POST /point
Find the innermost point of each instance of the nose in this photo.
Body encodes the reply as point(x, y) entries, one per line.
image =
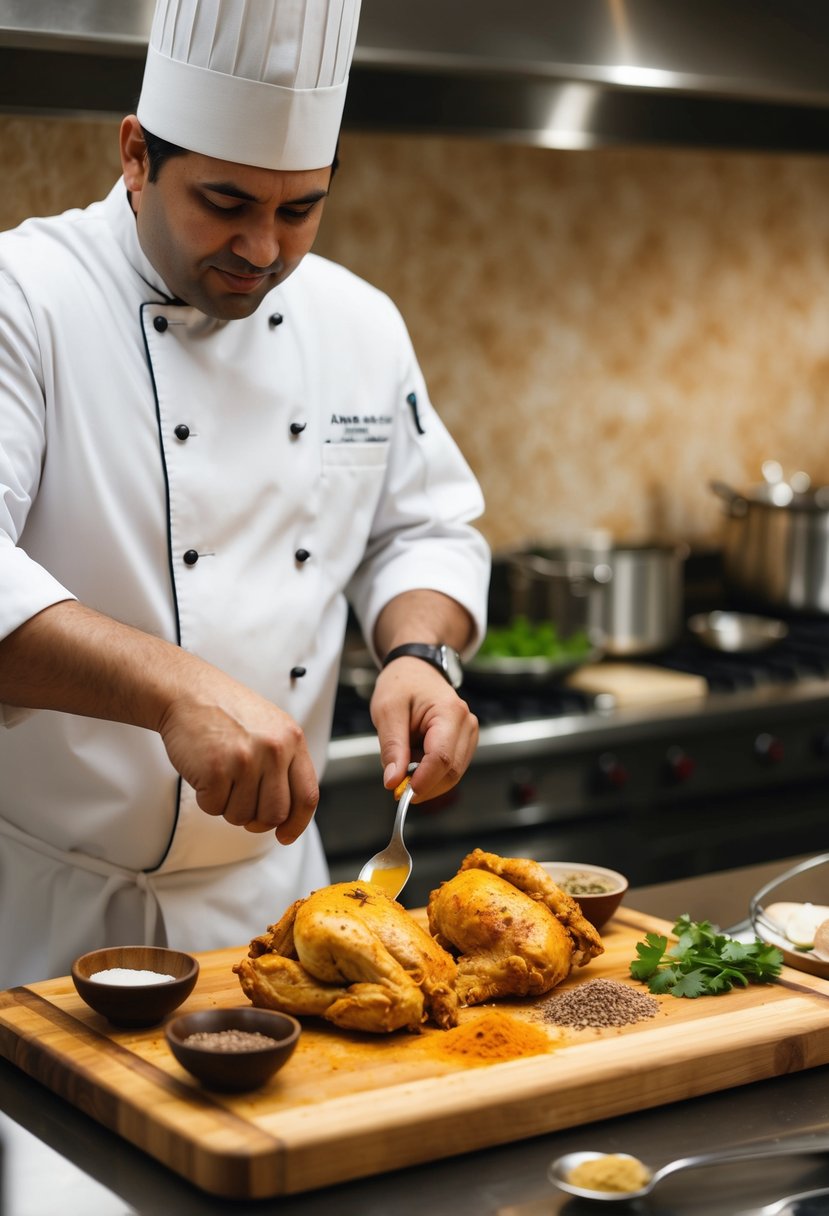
point(257, 243)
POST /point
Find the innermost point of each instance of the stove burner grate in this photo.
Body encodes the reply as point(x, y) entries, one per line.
point(802, 655)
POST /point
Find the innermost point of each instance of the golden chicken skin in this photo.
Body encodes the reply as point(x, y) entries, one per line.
point(354, 956)
point(514, 931)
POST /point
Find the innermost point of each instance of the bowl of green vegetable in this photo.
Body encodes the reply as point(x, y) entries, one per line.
point(532, 651)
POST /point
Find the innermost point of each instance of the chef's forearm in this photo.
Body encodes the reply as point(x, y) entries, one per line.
point(422, 616)
point(245, 758)
point(71, 658)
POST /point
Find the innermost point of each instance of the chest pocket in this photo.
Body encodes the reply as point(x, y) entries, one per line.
point(372, 455)
point(353, 476)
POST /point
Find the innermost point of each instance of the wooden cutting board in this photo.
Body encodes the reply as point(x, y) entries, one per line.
point(638, 684)
point(350, 1105)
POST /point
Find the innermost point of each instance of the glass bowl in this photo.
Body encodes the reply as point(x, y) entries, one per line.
point(786, 912)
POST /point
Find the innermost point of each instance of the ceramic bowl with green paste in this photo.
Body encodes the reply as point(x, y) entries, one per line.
point(597, 890)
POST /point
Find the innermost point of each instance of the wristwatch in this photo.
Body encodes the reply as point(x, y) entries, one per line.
point(444, 658)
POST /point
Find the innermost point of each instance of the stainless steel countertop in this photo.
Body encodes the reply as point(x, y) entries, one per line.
point(58, 1160)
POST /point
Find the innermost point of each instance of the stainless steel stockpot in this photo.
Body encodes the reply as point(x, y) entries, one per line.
point(628, 598)
point(776, 546)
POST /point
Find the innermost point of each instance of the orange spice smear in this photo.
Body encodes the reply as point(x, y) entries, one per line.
point(492, 1036)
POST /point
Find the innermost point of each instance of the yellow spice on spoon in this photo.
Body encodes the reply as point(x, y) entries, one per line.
point(610, 1173)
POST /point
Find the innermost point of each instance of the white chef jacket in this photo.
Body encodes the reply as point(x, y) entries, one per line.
point(226, 486)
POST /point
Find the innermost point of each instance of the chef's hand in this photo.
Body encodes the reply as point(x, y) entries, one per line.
point(245, 758)
point(418, 716)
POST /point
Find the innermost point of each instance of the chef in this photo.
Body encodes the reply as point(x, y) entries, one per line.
point(212, 441)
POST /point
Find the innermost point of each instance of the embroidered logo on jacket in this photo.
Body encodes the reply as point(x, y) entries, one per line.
point(359, 428)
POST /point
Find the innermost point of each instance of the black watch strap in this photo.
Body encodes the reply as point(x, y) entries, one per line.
point(444, 658)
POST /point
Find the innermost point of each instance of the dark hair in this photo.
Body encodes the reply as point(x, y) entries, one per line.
point(159, 150)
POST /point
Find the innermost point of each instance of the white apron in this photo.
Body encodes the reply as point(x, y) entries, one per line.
point(220, 485)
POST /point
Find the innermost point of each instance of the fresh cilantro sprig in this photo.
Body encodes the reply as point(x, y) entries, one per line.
point(703, 961)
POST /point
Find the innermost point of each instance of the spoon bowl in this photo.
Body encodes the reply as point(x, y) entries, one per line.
point(560, 1170)
point(391, 867)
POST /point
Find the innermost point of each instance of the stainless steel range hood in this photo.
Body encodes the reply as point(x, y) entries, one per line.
point(750, 74)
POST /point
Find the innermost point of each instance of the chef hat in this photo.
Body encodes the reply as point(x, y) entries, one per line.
point(257, 82)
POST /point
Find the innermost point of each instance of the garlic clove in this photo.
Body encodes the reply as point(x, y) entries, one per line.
point(821, 946)
point(802, 924)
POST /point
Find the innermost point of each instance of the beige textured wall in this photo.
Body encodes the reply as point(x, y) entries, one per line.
point(602, 331)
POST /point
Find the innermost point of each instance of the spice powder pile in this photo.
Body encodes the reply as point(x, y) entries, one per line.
point(493, 1036)
point(230, 1040)
point(615, 1172)
point(599, 1003)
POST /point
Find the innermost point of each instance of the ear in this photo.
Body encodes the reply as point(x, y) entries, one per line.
point(133, 154)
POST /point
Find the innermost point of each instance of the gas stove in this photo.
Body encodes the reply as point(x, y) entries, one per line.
point(661, 791)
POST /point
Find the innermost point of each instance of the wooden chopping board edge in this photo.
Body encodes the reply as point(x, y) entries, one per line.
point(257, 1148)
point(220, 1152)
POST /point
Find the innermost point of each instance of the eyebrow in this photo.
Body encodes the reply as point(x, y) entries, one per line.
point(233, 191)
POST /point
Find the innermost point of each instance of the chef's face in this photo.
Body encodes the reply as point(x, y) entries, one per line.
point(220, 234)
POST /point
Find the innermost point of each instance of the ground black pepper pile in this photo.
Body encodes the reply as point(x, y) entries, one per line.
point(229, 1040)
point(599, 1003)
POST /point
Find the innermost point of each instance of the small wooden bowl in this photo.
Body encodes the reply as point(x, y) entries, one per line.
point(135, 1004)
point(597, 907)
point(236, 1070)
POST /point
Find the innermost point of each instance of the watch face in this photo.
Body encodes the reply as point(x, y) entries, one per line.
point(452, 666)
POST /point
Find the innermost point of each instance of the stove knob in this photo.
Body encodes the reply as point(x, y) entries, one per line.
point(611, 774)
point(523, 791)
point(679, 766)
point(768, 748)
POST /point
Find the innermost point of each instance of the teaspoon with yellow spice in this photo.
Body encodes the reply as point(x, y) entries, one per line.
point(619, 1176)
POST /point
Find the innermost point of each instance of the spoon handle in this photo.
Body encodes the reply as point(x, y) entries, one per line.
point(807, 1203)
point(402, 807)
point(782, 1148)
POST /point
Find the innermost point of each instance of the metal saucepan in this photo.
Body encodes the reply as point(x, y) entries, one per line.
point(627, 598)
point(776, 545)
point(736, 632)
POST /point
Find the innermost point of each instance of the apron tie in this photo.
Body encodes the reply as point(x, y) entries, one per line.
point(118, 877)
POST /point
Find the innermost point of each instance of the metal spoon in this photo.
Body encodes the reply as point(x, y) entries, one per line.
point(807, 1203)
point(560, 1169)
point(391, 867)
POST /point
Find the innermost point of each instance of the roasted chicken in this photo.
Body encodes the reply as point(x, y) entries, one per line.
point(514, 931)
point(351, 954)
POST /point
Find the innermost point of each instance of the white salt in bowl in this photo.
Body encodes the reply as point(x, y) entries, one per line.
point(131, 996)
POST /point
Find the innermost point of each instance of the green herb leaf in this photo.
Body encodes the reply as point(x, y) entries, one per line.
point(651, 953)
point(702, 961)
point(691, 983)
point(664, 980)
